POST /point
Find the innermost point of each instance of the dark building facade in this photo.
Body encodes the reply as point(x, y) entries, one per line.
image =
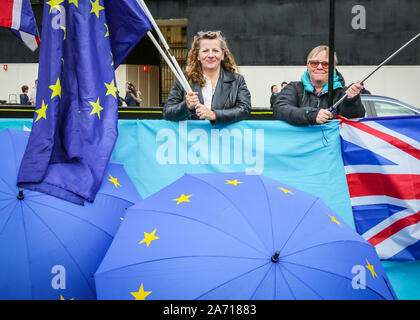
point(279, 32)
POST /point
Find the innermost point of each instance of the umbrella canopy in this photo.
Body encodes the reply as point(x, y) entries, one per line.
point(237, 236)
point(50, 248)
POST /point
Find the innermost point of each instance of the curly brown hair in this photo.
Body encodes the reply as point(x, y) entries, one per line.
point(194, 69)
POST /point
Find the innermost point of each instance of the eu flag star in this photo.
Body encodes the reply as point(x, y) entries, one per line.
point(107, 31)
point(141, 294)
point(149, 237)
point(56, 88)
point(55, 4)
point(111, 89)
point(234, 182)
point(114, 181)
point(62, 298)
point(96, 108)
point(64, 29)
point(75, 2)
point(183, 198)
point(42, 111)
point(96, 8)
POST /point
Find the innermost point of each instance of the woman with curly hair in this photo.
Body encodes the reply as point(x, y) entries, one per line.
point(219, 93)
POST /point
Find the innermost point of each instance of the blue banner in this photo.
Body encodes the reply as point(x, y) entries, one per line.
point(156, 152)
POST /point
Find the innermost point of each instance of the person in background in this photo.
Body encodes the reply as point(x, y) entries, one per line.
point(120, 101)
point(219, 93)
point(283, 84)
point(305, 102)
point(274, 93)
point(131, 97)
point(33, 92)
point(24, 99)
point(365, 91)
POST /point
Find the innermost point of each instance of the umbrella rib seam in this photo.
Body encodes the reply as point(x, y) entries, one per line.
point(27, 249)
point(270, 211)
point(237, 209)
point(68, 213)
point(226, 282)
point(9, 217)
point(297, 226)
point(262, 280)
point(287, 283)
point(65, 248)
point(173, 258)
point(11, 189)
point(206, 224)
point(296, 277)
point(324, 244)
point(335, 274)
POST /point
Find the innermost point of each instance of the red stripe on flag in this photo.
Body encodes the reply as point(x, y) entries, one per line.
point(402, 186)
point(404, 146)
point(394, 228)
point(6, 13)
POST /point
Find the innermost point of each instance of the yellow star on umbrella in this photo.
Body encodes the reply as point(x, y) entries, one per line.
point(114, 181)
point(285, 190)
point(62, 298)
point(96, 8)
point(96, 108)
point(55, 4)
point(75, 2)
point(42, 111)
point(149, 237)
point(111, 89)
point(371, 269)
point(56, 88)
point(183, 198)
point(333, 219)
point(234, 182)
point(141, 294)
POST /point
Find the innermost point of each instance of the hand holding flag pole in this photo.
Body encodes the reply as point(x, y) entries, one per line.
point(174, 66)
point(334, 107)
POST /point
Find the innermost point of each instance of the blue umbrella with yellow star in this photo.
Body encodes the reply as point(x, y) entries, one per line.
point(50, 248)
point(236, 236)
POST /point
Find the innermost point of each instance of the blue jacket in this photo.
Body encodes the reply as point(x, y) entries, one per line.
point(24, 99)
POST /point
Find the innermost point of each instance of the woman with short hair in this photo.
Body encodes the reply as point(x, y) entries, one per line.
point(305, 102)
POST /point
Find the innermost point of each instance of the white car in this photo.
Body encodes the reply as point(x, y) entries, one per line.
point(379, 106)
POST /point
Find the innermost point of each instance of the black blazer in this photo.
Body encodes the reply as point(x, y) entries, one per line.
point(231, 100)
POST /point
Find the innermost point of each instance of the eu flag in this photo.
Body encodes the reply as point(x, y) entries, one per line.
point(76, 115)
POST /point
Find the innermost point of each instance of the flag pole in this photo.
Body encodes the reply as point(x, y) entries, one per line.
point(331, 47)
point(184, 81)
point(171, 66)
point(374, 70)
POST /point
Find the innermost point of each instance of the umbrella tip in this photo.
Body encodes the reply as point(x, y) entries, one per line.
point(275, 257)
point(20, 195)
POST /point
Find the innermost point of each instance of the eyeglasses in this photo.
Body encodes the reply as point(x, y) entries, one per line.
point(315, 63)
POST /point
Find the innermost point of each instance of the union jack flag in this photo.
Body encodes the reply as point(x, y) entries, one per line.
point(17, 15)
point(382, 163)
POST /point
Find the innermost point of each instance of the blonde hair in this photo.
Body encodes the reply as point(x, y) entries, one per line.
point(319, 49)
point(194, 69)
